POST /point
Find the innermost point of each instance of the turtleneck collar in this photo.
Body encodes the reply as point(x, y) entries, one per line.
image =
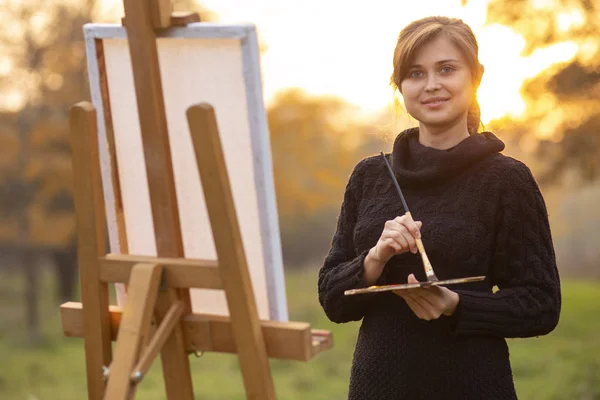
point(415, 164)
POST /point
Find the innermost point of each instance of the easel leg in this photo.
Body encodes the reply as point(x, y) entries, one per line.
point(174, 358)
point(89, 213)
point(141, 36)
point(134, 329)
point(230, 253)
point(158, 341)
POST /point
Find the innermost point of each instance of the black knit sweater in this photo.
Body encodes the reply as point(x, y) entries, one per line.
point(482, 214)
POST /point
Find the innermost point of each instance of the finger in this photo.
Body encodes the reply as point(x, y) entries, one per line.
point(403, 225)
point(418, 309)
point(411, 225)
point(389, 241)
point(435, 305)
point(429, 300)
point(412, 243)
point(394, 245)
point(414, 228)
point(388, 224)
point(400, 239)
point(393, 234)
point(402, 235)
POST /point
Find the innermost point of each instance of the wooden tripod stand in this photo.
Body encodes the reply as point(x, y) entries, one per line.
point(158, 286)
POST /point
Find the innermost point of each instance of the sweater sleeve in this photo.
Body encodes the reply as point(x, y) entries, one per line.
point(343, 268)
point(528, 301)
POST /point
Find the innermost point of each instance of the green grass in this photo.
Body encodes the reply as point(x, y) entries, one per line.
point(562, 365)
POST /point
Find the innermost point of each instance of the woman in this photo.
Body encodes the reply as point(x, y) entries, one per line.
point(479, 212)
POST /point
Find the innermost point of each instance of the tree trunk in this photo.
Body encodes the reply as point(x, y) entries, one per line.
point(66, 273)
point(31, 271)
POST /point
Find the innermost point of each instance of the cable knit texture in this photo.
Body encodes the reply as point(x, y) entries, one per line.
point(482, 214)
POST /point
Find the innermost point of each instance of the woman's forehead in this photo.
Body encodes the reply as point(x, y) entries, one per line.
point(437, 50)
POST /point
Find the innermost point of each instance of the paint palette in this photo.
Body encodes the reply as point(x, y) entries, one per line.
point(404, 286)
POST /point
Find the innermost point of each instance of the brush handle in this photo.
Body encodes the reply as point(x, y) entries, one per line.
point(426, 263)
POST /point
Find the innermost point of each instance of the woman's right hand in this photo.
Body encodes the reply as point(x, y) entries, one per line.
point(399, 236)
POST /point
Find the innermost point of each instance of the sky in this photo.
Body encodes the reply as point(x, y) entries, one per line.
point(345, 47)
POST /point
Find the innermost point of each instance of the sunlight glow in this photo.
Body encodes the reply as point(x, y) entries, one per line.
point(13, 101)
point(568, 20)
point(6, 66)
point(505, 70)
point(541, 4)
point(587, 50)
point(54, 81)
point(345, 49)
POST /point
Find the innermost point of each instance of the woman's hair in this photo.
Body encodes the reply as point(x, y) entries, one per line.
point(420, 32)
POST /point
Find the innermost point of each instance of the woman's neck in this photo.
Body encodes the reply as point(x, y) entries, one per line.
point(445, 137)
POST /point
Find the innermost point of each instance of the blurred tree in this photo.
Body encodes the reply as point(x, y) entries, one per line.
point(43, 74)
point(315, 141)
point(563, 103)
point(312, 150)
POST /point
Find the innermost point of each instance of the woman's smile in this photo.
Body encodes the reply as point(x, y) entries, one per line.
point(435, 103)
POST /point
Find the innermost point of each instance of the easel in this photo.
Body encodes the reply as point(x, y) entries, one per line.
point(158, 286)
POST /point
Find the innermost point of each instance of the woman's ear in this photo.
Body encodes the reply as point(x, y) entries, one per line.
point(479, 74)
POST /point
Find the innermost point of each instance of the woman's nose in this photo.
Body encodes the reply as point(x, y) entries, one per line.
point(432, 83)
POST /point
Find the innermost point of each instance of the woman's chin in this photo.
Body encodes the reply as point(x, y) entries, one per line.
point(437, 123)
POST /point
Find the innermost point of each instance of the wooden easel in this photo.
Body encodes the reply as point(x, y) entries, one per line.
point(158, 287)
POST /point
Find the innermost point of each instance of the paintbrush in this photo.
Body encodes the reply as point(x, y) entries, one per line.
point(426, 264)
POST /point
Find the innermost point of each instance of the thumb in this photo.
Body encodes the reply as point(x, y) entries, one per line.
point(412, 279)
point(419, 224)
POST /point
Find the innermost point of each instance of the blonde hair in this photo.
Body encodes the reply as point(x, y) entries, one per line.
point(420, 32)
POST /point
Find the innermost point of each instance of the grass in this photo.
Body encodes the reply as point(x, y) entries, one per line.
point(562, 365)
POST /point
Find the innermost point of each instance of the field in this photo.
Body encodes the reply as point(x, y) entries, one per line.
point(562, 365)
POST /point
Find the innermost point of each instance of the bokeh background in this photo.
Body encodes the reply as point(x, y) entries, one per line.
point(326, 68)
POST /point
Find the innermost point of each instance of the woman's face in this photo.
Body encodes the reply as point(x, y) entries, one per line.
point(438, 89)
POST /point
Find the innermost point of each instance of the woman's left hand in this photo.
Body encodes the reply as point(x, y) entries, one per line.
point(431, 302)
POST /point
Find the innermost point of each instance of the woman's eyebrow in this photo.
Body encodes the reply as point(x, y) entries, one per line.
point(437, 62)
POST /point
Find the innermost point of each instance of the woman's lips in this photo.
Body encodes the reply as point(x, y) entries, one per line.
point(434, 103)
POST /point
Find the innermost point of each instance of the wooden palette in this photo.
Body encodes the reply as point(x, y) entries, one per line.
point(404, 286)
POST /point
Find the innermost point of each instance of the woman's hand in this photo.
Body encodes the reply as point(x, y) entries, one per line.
point(431, 302)
point(398, 236)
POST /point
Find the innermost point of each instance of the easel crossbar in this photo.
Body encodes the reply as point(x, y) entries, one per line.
point(180, 273)
point(213, 333)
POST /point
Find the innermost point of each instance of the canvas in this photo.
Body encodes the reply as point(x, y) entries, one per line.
point(202, 62)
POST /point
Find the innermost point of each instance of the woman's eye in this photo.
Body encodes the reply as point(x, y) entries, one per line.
point(447, 70)
point(416, 74)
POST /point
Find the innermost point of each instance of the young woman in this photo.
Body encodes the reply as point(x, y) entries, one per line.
point(479, 213)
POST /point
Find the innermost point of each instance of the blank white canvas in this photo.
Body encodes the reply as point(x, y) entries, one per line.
point(220, 68)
